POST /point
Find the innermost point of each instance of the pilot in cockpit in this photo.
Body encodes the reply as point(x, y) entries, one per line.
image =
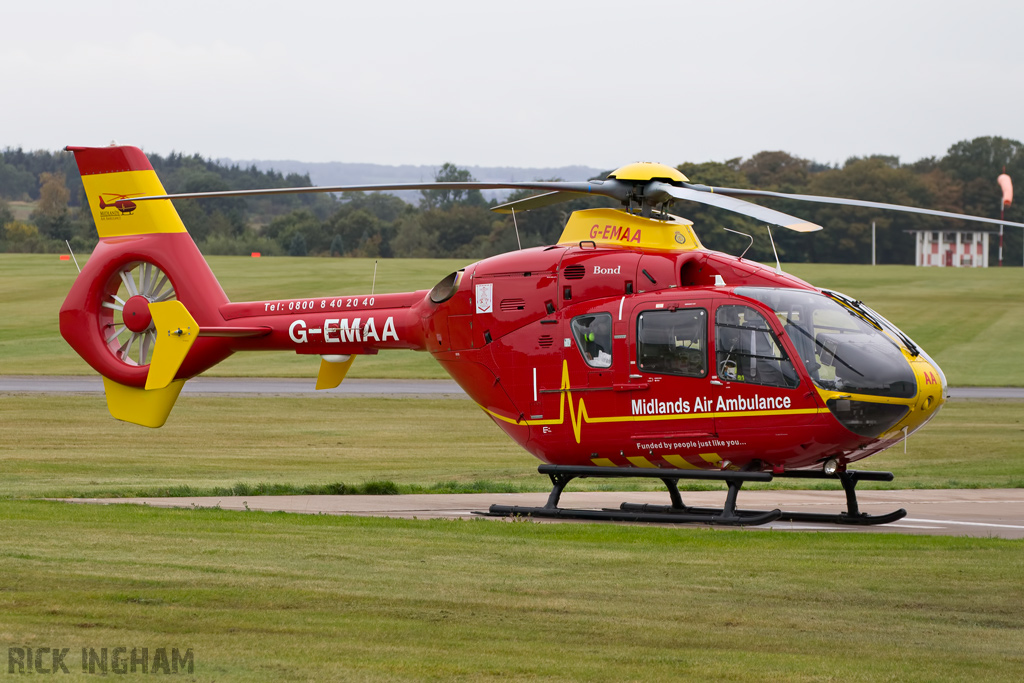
point(597, 337)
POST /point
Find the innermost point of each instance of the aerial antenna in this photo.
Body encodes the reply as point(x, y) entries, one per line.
point(516, 223)
point(374, 283)
point(778, 266)
point(73, 256)
point(745, 235)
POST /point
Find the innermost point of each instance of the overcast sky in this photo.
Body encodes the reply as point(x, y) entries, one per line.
point(521, 83)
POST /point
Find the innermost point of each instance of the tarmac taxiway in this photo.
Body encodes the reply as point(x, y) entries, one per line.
point(947, 512)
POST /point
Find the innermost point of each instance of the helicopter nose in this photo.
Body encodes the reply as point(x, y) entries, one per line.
point(931, 394)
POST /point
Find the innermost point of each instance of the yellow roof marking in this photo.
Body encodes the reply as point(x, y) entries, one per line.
point(616, 228)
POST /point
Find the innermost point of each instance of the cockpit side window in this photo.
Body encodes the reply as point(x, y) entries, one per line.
point(593, 335)
point(673, 342)
point(748, 351)
point(845, 347)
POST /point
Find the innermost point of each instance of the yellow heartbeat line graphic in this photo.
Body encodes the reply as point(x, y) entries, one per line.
point(578, 416)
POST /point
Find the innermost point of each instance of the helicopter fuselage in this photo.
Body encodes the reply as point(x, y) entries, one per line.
point(629, 344)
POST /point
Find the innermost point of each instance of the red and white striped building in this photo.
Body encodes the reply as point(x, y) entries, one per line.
point(960, 249)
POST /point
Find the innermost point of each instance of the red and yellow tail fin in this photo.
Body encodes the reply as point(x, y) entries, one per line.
point(112, 176)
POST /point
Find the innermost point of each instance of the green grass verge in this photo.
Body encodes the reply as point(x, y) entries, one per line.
point(970, 320)
point(261, 597)
point(33, 287)
point(66, 445)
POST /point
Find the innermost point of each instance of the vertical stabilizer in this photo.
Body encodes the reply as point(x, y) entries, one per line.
point(112, 176)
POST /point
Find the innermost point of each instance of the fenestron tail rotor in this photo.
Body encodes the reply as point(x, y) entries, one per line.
point(125, 319)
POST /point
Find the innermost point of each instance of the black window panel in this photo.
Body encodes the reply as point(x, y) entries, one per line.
point(673, 342)
point(593, 335)
point(746, 349)
point(843, 348)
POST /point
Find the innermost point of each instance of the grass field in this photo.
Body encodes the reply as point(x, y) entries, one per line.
point(69, 445)
point(267, 597)
point(33, 287)
point(275, 596)
point(970, 320)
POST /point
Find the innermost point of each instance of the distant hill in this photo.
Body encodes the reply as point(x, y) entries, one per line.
point(341, 173)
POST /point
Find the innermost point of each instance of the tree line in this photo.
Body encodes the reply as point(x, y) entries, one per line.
point(459, 224)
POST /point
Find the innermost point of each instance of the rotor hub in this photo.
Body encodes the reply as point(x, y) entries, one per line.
point(645, 171)
point(137, 317)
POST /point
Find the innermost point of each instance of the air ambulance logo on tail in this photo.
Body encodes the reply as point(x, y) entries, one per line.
point(120, 202)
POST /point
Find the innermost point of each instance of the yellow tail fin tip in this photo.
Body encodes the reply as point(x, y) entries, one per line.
point(148, 408)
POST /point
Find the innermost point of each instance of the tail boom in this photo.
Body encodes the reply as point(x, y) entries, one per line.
point(334, 325)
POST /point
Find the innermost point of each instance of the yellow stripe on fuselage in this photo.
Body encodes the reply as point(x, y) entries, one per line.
point(579, 415)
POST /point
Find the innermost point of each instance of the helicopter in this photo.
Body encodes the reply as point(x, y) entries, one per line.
point(626, 349)
point(121, 202)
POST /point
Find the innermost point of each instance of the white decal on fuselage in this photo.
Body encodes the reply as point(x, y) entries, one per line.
point(738, 404)
point(485, 298)
point(337, 330)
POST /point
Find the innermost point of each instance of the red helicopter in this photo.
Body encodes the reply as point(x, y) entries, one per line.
point(121, 202)
point(626, 349)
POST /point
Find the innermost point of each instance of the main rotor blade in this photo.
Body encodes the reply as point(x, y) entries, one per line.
point(607, 188)
point(535, 202)
point(761, 213)
point(850, 202)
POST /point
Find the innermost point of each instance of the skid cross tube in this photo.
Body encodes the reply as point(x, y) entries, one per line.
point(678, 512)
point(851, 516)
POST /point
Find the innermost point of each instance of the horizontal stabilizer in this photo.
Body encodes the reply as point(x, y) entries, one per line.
point(236, 332)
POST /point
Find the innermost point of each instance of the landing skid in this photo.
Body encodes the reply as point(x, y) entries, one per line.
point(678, 513)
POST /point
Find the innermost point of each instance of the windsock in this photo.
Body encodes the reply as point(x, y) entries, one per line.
point(1007, 185)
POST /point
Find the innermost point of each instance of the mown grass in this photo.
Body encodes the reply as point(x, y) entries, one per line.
point(262, 597)
point(274, 596)
point(33, 287)
point(970, 320)
point(63, 445)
